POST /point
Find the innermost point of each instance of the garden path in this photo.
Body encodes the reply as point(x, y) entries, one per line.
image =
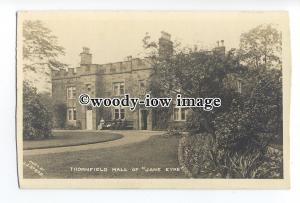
point(130, 137)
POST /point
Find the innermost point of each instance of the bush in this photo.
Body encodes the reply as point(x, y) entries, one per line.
point(37, 118)
point(235, 130)
point(71, 127)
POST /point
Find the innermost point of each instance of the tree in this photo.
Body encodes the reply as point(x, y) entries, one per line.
point(261, 47)
point(40, 54)
point(227, 141)
point(198, 75)
point(37, 119)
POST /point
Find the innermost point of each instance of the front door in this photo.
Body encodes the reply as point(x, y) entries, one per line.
point(144, 116)
point(89, 119)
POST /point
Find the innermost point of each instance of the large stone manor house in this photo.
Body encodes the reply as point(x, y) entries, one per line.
point(110, 80)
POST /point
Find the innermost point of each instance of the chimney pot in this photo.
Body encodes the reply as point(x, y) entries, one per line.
point(222, 42)
point(86, 50)
point(165, 44)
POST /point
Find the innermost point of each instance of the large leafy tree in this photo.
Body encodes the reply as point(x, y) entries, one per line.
point(41, 54)
point(261, 47)
point(197, 75)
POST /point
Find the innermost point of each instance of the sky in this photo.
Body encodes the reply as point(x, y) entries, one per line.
point(112, 36)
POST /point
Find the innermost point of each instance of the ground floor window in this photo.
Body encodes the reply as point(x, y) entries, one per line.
point(179, 114)
point(72, 114)
point(119, 113)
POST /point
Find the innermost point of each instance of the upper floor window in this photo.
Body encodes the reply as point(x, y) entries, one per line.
point(71, 92)
point(118, 88)
point(180, 114)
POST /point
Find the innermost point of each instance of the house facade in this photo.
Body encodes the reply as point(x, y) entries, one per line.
point(109, 80)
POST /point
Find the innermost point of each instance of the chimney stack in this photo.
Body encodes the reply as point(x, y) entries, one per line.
point(86, 57)
point(129, 58)
point(219, 50)
point(165, 49)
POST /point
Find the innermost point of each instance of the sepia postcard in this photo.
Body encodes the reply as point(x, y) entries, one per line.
point(164, 99)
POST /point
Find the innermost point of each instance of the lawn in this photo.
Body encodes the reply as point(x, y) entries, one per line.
point(147, 156)
point(72, 138)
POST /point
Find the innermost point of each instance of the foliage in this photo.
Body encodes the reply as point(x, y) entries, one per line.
point(206, 160)
point(197, 75)
point(231, 141)
point(60, 114)
point(239, 145)
point(41, 54)
point(39, 43)
point(261, 47)
point(265, 102)
point(71, 127)
point(37, 119)
point(174, 132)
point(257, 113)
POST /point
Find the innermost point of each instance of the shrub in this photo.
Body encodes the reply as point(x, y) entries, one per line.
point(174, 132)
point(71, 127)
point(234, 130)
point(37, 118)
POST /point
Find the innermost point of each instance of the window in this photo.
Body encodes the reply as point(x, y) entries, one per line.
point(72, 114)
point(118, 88)
point(239, 86)
point(183, 114)
point(119, 113)
point(122, 113)
point(176, 114)
point(180, 114)
point(71, 92)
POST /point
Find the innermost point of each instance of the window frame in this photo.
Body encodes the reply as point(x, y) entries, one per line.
point(72, 115)
point(177, 113)
point(118, 85)
point(71, 92)
point(119, 111)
